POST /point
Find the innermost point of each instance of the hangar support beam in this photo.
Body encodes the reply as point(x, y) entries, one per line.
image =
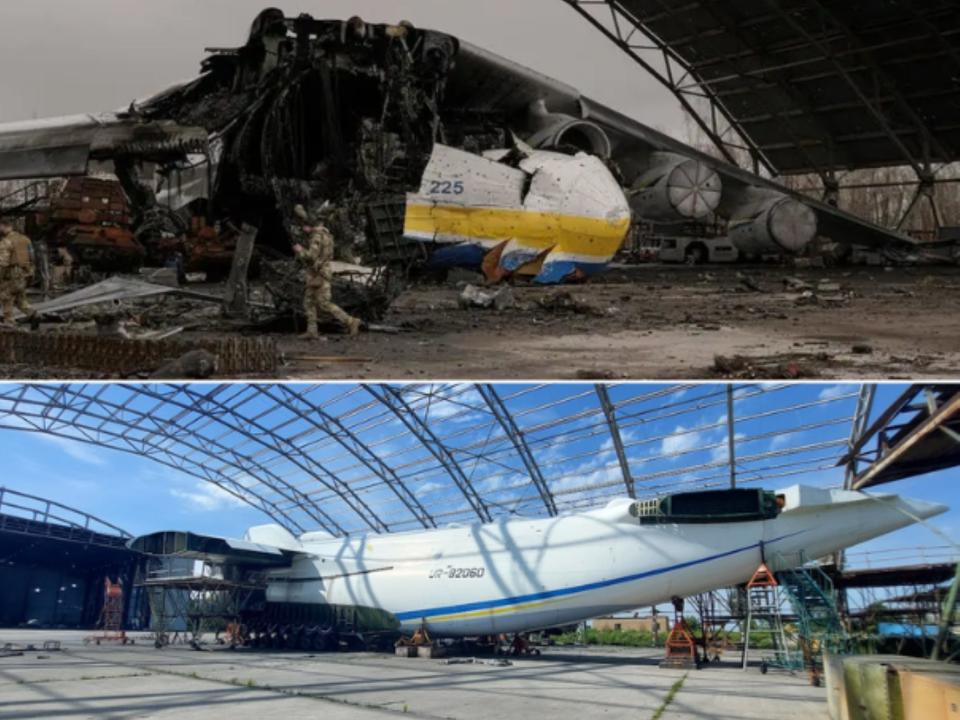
point(610, 412)
point(56, 520)
point(505, 419)
point(917, 434)
point(623, 30)
point(393, 399)
point(97, 420)
point(259, 433)
point(808, 86)
point(349, 441)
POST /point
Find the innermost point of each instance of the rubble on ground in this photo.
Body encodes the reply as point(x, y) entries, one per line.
point(765, 368)
point(564, 301)
point(500, 298)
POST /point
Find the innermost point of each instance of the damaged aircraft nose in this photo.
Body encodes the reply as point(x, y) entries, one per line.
point(552, 217)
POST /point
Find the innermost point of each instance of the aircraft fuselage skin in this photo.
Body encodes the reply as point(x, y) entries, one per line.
point(519, 575)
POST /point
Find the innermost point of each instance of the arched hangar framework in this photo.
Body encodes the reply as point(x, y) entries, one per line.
point(806, 86)
point(384, 458)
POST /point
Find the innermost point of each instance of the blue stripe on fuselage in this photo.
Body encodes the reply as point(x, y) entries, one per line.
point(501, 602)
point(558, 271)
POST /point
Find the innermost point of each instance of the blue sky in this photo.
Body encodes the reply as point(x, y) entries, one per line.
point(671, 436)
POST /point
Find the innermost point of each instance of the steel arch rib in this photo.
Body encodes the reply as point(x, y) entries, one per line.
point(397, 404)
point(6, 493)
point(350, 442)
point(343, 491)
point(618, 11)
point(609, 412)
point(95, 435)
point(509, 426)
point(293, 495)
point(882, 119)
point(227, 455)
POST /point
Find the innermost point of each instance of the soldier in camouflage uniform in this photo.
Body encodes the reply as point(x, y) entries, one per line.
point(316, 257)
point(16, 271)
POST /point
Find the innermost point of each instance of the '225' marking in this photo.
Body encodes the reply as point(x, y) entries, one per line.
point(446, 187)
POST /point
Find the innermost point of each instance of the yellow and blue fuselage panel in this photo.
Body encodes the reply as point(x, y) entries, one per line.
point(570, 246)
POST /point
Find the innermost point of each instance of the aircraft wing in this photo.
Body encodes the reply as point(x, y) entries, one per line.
point(61, 147)
point(214, 549)
point(485, 81)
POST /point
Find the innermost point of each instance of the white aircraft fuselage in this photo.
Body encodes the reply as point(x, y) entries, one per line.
point(517, 575)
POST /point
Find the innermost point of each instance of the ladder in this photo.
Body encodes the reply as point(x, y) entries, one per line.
point(764, 618)
point(110, 623)
point(813, 598)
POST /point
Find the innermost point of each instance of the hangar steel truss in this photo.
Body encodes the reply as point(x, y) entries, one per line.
point(805, 86)
point(386, 458)
point(25, 514)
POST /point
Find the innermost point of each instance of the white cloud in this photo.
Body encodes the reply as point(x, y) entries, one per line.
point(832, 392)
point(721, 453)
point(206, 497)
point(680, 441)
point(74, 448)
point(783, 440)
point(427, 487)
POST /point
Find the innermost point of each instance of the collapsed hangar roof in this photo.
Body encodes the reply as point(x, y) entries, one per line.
point(812, 85)
point(388, 458)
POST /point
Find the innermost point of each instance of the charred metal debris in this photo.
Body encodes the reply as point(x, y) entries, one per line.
point(340, 116)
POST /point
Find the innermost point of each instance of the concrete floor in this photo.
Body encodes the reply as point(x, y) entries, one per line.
point(141, 682)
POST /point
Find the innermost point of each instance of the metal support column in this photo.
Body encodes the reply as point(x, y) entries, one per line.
point(730, 438)
point(609, 412)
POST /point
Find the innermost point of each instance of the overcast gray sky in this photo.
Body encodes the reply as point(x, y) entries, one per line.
point(61, 57)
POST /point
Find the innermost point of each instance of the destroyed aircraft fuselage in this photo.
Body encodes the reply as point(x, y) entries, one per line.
point(353, 120)
point(320, 112)
point(347, 117)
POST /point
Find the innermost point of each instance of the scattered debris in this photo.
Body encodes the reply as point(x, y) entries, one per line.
point(119, 356)
point(194, 365)
point(563, 301)
point(459, 277)
point(16, 649)
point(384, 329)
point(749, 283)
point(166, 276)
point(773, 368)
point(111, 291)
point(795, 284)
point(595, 374)
point(330, 359)
point(112, 325)
point(474, 297)
point(493, 662)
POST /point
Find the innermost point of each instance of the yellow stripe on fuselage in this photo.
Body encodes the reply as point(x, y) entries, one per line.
point(592, 237)
point(492, 611)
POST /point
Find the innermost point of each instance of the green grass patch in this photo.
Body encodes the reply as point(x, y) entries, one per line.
point(674, 689)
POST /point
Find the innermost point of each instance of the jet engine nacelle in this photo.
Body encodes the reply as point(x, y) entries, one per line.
point(676, 187)
point(551, 131)
point(779, 225)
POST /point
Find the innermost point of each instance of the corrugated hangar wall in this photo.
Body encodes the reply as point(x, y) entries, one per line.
point(51, 582)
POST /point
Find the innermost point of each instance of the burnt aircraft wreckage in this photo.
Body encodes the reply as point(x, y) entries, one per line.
point(417, 149)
